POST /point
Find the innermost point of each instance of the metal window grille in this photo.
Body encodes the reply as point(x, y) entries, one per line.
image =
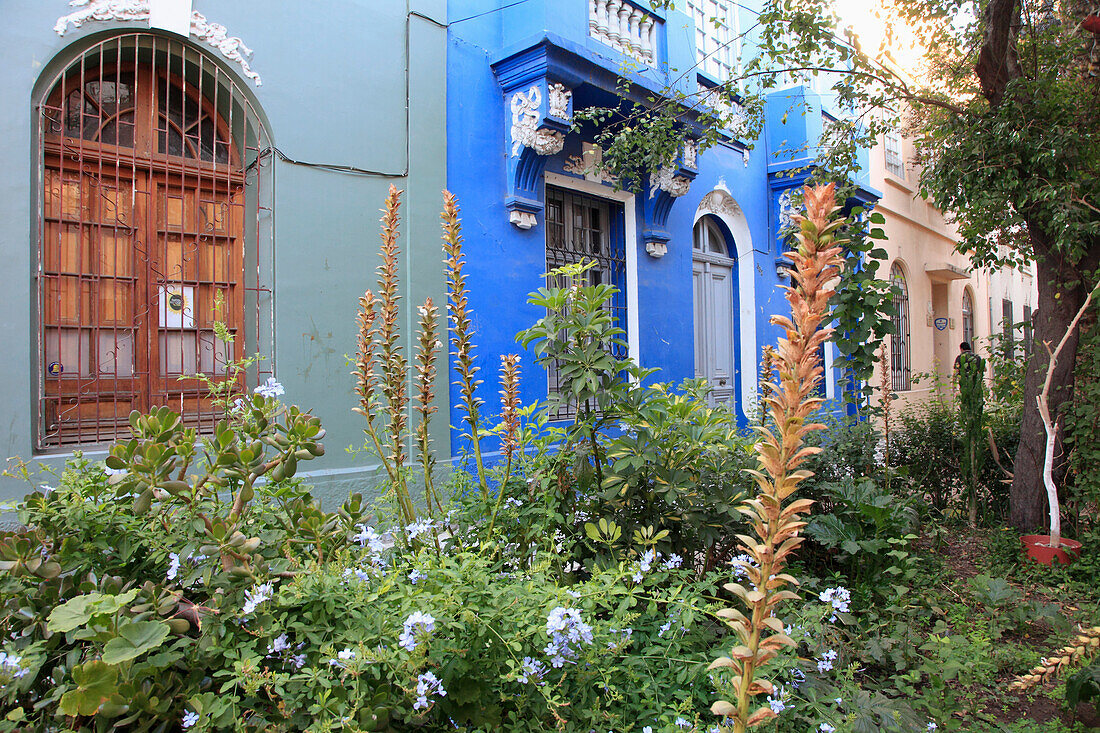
point(582, 228)
point(968, 318)
point(894, 162)
point(899, 340)
point(1027, 330)
point(154, 224)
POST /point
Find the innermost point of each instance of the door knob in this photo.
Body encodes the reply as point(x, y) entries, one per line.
point(721, 383)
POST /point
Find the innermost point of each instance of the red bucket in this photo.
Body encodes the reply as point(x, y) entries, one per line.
point(1039, 549)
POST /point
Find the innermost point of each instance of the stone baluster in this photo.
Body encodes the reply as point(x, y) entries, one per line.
point(651, 42)
point(624, 28)
point(647, 51)
point(634, 38)
point(613, 37)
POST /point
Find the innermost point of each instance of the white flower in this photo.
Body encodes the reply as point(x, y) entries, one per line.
point(367, 537)
point(279, 644)
point(681, 723)
point(173, 565)
point(932, 726)
point(674, 561)
point(647, 729)
point(740, 563)
point(417, 624)
point(778, 701)
point(256, 596)
point(838, 597)
point(345, 654)
point(416, 575)
point(426, 684)
point(416, 529)
point(189, 719)
point(826, 728)
point(531, 670)
point(826, 662)
point(270, 388)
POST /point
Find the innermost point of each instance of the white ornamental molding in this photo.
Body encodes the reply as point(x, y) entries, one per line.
point(558, 100)
point(525, 118)
point(720, 202)
point(522, 219)
point(589, 167)
point(691, 154)
point(666, 180)
point(786, 210)
point(548, 142)
point(215, 34)
point(525, 130)
point(656, 250)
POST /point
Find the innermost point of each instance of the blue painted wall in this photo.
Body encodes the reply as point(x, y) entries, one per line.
point(505, 262)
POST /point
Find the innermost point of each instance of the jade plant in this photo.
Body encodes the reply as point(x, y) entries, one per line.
point(776, 518)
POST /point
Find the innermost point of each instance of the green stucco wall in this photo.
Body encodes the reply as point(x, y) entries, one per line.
point(336, 81)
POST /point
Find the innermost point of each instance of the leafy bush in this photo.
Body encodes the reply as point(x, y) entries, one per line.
point(861, 528)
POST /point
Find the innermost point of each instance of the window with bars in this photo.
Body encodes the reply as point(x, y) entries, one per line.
point(581, 228)
point(968, 317)
point(717, 37)
point(1008, 329)
point(894, 162)
point(153, 186)
point(1027, 331)
point(899, 339)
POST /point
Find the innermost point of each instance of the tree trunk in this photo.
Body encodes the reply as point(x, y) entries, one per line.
point(1061, 293)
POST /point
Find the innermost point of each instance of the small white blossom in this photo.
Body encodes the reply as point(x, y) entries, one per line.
point(826, 728)
point(189, 719)
point(256, 596)
point(417, 624)
point(427, 684)
point(270, 388)
point(416, 575)
point(173, 566)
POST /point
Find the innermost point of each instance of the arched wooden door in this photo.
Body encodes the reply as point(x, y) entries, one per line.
point(712, 291)
point(141, 245)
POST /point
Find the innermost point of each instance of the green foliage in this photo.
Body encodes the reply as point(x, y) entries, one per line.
point(862, 306)
point(1082, 420)
point(1083, 686)
point(863, 529)
point(1007, 611)
point(971, 380)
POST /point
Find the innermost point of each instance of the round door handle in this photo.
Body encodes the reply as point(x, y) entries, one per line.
point(721, 383)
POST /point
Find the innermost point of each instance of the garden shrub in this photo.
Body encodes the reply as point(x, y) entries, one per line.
point(925, 450)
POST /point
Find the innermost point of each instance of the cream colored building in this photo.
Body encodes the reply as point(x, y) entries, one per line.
point(945, 299)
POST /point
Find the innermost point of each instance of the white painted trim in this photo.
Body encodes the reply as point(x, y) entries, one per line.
point(829, 375)
point(746, 297)
point(591, 188)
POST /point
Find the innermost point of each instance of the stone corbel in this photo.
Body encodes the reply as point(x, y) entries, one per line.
point(540, 113)
point(667, 185)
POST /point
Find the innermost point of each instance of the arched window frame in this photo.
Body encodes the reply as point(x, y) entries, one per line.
point(968, 316)
point(88, 195)
point(899, 340)
point(707, 237)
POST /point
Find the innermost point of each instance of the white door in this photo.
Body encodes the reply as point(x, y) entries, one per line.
point(713, 306)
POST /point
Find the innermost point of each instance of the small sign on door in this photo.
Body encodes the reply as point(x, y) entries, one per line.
point(941, 324)
point(177, 306)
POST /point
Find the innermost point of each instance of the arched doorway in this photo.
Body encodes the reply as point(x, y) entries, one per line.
point(148, 238)
point(713, 309)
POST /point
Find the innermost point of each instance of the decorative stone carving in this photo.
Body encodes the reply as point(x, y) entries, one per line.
point(547, 141)
point(215, 34)
point(589, 165)
point(786, 209)
point(720, 202)
point(525, 118)
point(522, 219)
point(691, 154)
point(666, 180)
point(656, 250)
point(558, 100)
